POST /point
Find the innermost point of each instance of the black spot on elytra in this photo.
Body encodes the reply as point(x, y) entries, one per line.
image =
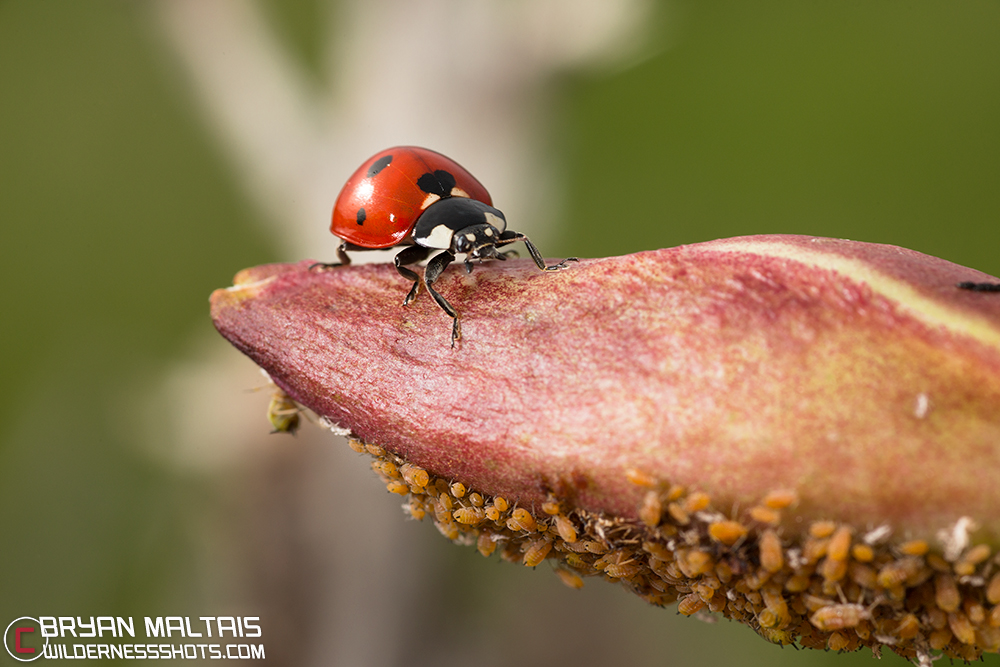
point(378, 166)
point(361, 216)
point(439, 183)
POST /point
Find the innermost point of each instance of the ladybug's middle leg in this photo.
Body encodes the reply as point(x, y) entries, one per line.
point(434, 269)
point(410, 255)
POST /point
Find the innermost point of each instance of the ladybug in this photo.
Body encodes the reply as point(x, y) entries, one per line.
point(421, 200)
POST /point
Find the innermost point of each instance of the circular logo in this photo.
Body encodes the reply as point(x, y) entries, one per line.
point(23, 639)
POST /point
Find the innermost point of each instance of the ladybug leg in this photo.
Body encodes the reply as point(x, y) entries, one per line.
point(410, 255)
point(435, 268)
point(979, 287)
point(512, 237)
point(343, 259)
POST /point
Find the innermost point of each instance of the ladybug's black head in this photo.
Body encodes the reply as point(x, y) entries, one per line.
point(461, 226)
point(477, 241)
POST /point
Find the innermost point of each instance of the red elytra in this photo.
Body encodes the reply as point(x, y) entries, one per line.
point(382, 200)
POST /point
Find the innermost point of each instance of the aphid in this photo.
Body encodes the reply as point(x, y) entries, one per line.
point(840, 544)
point(486, 544)
point(414, 476)
point(814, 549)
point(623, 570)
point(765, 515)
point(962, 628)
point(690, 604)
point(445, 502)
point(469, 516)
point(946, 592)
point(914, 548)
point(565, 528)
point(975, 611)
point(283, 413)
point(697, 501)
point(767, 618)
point(839, 616)
point(425, 202)
point(571, 579)
point(863, 575)
point(993, 589)
point(832, 569)
point(772, 558)
point(448, 528)
point(652, 509)
point(387, 468)
point(551, 507)
point(704, 591)
point(908, 627)
point(642, 479)
point(837, 641)
point(396, 486)
point(694, 562)
point(821, 529)
point(577, 562)
point(536, 553)
point(727, 532)
point(939, 639)
point(521, 519)
point(595, 547)
point(657, 550)
point(863, 553)
point(895, 573)
point(457, 489)
point(780, 499)
point(678, 514)
point(973, 557)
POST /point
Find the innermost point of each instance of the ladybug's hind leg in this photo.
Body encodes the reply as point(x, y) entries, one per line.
point(435, 268)
point(510, 236)
point(979, 287)
point(342, 258)
point(410, 255)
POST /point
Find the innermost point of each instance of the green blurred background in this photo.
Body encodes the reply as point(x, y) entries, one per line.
point(876, 121)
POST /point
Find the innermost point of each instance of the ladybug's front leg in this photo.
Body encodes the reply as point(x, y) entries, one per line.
point(410, 255)
point(510, 236)
point(434, 269)
point(343, 259)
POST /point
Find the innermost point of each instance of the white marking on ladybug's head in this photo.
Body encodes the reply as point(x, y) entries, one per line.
point(459, 192)
point(430, 199)
point(470, 237)
point(488, 231)
point(440, 237)
point(498, 222)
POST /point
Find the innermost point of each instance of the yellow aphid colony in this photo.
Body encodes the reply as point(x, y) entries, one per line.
point(829, 586)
